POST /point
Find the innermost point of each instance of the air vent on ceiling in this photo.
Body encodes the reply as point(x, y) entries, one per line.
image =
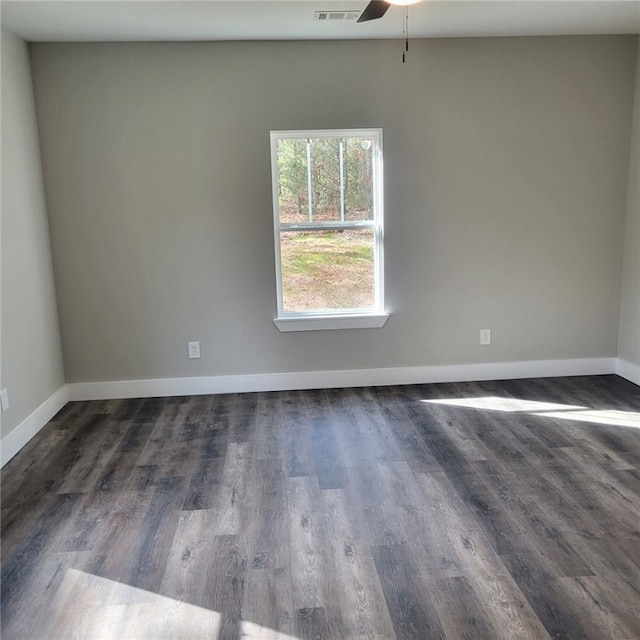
point(327, 16)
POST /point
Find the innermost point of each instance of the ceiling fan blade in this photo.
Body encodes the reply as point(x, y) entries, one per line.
point(374, 10)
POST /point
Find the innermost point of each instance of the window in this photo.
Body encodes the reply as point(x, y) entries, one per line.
point(327, 201)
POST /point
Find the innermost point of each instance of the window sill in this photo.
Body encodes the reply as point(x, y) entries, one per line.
point(322, 323)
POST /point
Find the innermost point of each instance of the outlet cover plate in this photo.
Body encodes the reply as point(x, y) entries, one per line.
point(194, 350)
point(485, 336)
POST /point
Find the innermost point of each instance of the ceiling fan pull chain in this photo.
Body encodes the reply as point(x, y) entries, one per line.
point(405, 31)
point(406, 22)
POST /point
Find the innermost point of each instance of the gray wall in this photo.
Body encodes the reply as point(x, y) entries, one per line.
point(31, 355)
point(629, 340)
point(506, 167)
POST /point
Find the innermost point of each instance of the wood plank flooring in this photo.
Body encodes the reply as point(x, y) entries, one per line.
point(461, 511)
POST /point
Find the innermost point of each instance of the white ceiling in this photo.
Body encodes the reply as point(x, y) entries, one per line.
point(120, 20)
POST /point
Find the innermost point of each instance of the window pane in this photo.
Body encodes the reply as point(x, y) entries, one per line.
point(327, 270)
point(337, 171)
point(293, 199)
point(358, 178)
point(325, 179)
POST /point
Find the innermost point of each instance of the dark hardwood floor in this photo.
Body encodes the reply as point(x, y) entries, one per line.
point(462, 511)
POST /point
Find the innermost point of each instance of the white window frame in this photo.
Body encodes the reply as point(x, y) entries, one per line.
point(373, 317)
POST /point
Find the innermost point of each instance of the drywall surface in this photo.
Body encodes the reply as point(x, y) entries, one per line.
point(31, 354)
point(506, 165)
point(629, 338)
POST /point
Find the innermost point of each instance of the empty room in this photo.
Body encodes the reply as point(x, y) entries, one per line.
point(320, 320)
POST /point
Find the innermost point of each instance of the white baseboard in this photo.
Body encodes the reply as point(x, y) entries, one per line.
point(28, 428)
point(332, 379)
point(628, 370)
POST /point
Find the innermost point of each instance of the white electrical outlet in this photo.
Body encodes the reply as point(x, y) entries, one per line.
point(485, 336)
point(194, 350)
point(4, 400)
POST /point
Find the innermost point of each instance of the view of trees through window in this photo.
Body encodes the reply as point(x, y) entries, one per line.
point(326, 181)
point(336, 172)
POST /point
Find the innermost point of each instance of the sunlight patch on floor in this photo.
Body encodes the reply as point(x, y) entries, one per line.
point(546, 409)
point(88, 606)
point(509, 405)
point(615, 418)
